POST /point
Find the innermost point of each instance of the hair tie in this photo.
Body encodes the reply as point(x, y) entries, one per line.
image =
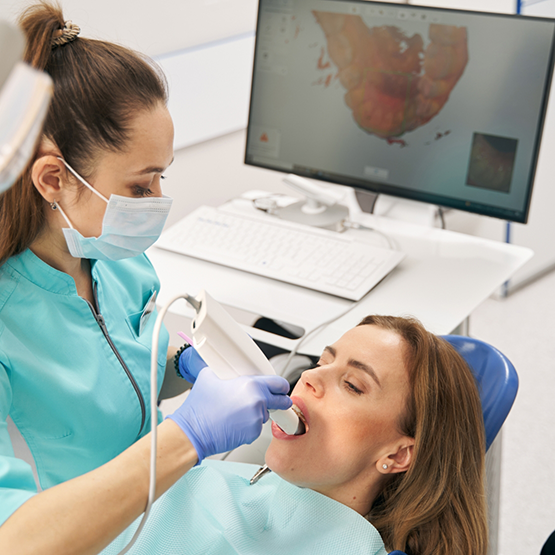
point(67, 34)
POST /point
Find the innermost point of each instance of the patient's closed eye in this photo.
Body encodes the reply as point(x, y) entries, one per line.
point(353, 388)
point(348, 385)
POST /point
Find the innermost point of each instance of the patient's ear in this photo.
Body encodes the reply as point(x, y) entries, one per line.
point(400, 459)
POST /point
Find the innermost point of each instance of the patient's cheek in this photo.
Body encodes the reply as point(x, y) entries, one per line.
point(393, 85)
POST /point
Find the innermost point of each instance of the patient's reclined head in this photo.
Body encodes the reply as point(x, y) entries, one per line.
point(394, 431)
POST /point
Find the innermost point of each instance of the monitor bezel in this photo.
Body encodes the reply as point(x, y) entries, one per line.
point(519, 216)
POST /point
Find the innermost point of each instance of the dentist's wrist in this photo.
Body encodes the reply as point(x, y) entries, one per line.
point(176, 360)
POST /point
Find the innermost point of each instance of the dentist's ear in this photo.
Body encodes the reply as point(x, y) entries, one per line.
point(48, 174)
point(399, 459)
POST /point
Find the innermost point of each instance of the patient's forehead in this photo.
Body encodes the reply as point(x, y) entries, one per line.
point(382, 348)
point(368, 338)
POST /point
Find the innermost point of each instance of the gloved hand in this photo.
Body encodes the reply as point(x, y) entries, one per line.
point(219, 415)
point(190, 364)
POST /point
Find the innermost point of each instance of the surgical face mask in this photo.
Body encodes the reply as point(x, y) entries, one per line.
point(130, 226)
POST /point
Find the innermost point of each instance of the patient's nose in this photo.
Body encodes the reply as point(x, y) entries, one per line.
point(314, 380)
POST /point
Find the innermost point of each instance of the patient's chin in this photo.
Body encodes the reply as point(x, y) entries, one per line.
point(274, 457)
point(281, 461)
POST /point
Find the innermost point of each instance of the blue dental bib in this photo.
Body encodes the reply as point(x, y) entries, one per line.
point(213, 510)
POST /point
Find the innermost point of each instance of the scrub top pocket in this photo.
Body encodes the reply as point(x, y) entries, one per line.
point(143, 333)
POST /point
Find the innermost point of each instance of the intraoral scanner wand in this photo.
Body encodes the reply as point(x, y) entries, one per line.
point(230, 352)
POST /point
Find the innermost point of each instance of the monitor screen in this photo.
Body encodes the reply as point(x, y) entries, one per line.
point(436, 105)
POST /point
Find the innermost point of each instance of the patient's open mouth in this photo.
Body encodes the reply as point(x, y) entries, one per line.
point(303, 427)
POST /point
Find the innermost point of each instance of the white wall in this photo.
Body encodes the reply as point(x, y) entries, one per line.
point(153, 27)
point(163, 26)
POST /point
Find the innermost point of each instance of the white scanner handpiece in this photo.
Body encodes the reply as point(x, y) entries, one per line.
point(230, 352)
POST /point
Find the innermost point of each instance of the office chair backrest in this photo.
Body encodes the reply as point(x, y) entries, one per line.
point(497, 383)
point(548, 547)
point(496, 377)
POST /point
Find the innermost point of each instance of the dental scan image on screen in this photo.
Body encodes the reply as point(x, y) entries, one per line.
point(437, 105)
point(392, 84)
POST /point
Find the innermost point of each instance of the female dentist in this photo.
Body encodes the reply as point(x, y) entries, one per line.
point(74, 292)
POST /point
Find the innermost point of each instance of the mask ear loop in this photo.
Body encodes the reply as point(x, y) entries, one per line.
point(55, 206)
point(83, 182)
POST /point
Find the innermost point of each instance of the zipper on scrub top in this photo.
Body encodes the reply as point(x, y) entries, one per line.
point(101, 322)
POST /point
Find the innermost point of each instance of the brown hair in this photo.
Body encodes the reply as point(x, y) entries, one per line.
point(438, 505)
point(98, 89)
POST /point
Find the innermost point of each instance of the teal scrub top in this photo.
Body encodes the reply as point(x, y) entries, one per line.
point(74, 380)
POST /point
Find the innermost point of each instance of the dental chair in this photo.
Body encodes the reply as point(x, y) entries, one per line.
point(496, 377)
point(497, 382)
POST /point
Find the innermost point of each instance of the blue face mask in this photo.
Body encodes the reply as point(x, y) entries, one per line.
point(130, 226)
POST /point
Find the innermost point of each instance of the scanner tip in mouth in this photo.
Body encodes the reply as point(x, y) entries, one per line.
point(302, 428)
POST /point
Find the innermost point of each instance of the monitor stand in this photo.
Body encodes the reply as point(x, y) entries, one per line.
point(319, 208)
point(311, 213)
point(420, 213)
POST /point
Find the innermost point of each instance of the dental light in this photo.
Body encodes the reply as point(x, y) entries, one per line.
point(24, 98)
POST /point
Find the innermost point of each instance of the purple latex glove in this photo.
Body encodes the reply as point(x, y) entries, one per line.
point(220, 415)
point(190, 364)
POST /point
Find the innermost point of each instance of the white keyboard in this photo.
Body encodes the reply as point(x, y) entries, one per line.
point(309, 257)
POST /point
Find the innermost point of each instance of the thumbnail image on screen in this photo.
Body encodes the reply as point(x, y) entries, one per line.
point(436, 105)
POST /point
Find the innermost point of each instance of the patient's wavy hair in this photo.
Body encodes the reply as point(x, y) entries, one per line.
point(99, 87)
point(438, 506)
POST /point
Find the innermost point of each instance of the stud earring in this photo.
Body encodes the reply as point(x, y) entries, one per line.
point(384, 466)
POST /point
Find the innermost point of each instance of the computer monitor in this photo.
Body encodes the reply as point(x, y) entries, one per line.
point(435, 105)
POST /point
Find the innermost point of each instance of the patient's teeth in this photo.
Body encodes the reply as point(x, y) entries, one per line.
point(299, 413)
point(302, 424)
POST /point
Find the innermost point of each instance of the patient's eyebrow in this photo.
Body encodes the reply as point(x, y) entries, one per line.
point(357, 364)
point(366, 368)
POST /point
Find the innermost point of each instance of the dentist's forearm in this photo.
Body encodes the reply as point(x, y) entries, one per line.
point(83, 515)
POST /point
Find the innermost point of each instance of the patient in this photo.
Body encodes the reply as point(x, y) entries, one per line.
point(393, 458)
point(396, 433)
